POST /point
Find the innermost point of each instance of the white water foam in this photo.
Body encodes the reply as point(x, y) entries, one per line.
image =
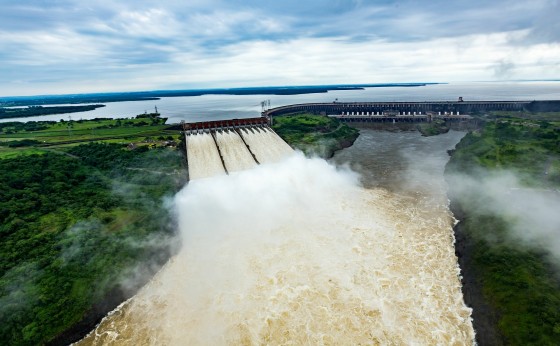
point(234, 152)
point(266, 145)
point(203, 156)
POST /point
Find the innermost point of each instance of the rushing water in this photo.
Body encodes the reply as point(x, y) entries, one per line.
point(274, 151)
point(215, 107)
point(234, 152)
point(299, 252)
point(203, 158)
point(403, 161)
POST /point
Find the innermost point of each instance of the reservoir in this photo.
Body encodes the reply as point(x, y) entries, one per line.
point(217, 107)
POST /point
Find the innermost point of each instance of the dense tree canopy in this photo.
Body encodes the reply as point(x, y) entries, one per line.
point(73, 227)
point(518, 280)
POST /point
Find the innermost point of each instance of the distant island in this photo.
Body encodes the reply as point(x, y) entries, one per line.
point(31, 111)
point(13, 101)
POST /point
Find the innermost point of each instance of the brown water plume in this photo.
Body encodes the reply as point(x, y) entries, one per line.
point(298, 253)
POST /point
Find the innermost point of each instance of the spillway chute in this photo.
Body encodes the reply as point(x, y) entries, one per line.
point(203, 157)
point(227, 146)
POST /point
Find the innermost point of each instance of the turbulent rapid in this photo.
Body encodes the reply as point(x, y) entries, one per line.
point(299, 252)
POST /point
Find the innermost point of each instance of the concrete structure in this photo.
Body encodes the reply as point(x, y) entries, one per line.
point(217, 125)
point(395, 109)
point(225, 146)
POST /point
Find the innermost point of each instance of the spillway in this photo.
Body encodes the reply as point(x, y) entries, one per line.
point(203, 157)
point(227, 146)
point(235, 153)
point(266, 145)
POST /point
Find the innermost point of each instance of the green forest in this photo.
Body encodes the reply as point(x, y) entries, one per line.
point(77, 226)
point(38, 137)
point(519, 281)
point(32, 111)
point(315, 134)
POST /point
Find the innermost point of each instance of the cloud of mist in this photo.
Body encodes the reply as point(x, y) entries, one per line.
point(159, 239)
point(531, 213)
point(142, 223)
point(238, 195)
point(20, 290)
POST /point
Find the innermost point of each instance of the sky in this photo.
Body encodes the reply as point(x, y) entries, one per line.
point(76, 46)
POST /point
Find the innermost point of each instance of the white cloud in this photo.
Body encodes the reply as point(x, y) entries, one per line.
point(133, 46)
point(150, 23)
point(317, 60)
point(41, 48)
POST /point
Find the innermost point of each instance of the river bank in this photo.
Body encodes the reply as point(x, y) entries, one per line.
point(315, 135)
point(498, 178)
point(111, 300)
point(485, 317)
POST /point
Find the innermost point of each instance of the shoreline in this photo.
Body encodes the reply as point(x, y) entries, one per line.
point(484, 316)
point(111, 301)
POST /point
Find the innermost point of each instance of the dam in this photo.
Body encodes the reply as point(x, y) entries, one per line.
point(396, 109)
point(223, 147)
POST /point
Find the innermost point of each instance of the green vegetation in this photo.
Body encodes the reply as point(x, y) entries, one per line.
point(530, 148)
point(82, 216)
point(50, 135)
point(518, 281)
point(76, 227)
point(542, 116)
point(32, 111)
point(315, 134)
point(436, 127)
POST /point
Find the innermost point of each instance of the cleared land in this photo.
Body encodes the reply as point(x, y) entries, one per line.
point(39, 137)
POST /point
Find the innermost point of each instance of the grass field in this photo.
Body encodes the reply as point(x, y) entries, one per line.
point(61, 135)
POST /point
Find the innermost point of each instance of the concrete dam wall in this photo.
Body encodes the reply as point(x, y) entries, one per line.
point(223, 150)
point(457, 107)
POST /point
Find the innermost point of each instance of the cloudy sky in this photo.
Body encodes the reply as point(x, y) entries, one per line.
point(75, 46)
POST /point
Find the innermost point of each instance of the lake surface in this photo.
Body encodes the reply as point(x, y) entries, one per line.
point(217, 107)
